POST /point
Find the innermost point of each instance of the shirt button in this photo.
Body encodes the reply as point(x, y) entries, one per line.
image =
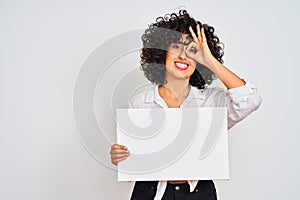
point(177, 188)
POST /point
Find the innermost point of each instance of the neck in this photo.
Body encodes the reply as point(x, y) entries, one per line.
point(178, 89)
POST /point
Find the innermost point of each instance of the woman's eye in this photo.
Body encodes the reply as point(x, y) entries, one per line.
point(193, 50)
point(176, 46)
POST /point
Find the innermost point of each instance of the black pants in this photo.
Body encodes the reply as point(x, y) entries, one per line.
point(146, 190)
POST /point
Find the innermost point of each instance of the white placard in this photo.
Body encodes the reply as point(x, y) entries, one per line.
point(173, 144)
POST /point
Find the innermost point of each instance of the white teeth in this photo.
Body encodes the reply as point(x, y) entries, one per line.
point(181, 65)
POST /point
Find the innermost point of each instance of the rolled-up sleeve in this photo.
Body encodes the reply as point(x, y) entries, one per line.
point(241, 102)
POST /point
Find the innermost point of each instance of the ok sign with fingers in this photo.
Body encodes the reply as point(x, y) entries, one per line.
point(199, 51)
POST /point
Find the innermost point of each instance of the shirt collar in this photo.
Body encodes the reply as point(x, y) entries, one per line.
point(153, 95)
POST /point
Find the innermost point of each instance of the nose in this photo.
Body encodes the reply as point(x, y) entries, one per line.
point(182, 54)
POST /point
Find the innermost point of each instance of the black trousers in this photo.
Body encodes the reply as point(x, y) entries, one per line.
point(146, 190)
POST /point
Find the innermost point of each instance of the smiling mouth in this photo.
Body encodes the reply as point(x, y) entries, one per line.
point(181, 65)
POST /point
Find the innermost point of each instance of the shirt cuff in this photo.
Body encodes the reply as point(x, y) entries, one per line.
point(241, 93)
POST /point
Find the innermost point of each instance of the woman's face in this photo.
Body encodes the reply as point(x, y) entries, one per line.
point(178, 64)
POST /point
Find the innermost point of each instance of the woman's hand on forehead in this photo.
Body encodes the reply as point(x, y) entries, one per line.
point(198, 48)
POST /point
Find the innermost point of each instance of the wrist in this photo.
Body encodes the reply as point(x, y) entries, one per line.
point(213, 65)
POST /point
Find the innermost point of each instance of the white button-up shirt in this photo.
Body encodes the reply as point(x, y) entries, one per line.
point(240, 102)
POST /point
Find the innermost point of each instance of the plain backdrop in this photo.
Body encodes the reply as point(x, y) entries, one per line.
point(43, 45)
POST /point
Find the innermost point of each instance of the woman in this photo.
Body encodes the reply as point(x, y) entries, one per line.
point(182, 66)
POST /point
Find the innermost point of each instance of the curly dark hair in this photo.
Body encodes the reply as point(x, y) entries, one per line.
point(169, 29)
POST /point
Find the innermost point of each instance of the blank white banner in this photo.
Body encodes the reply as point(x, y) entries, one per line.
point(173, 144)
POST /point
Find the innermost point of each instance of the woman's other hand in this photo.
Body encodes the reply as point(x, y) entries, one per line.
point(198, 50)
point(118, 153)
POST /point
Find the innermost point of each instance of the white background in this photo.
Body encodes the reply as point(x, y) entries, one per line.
point(43, 45)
